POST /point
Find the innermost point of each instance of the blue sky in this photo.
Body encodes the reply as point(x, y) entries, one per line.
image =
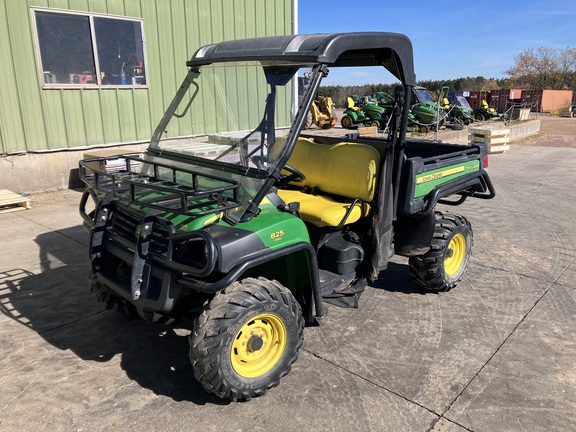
point(451, 39)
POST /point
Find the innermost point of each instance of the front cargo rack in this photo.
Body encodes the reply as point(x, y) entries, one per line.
point(156, 185)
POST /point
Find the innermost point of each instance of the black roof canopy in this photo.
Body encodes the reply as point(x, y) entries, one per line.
point(391, 50)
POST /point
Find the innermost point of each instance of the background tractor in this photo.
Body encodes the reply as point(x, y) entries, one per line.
point(426, 113)
point(321, 113)
point(457, 108)
point(484, 110)
point(363, 113)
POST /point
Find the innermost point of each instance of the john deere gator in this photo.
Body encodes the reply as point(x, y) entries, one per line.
point(237, 222)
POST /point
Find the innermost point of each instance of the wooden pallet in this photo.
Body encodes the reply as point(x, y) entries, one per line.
point(489, 132)
point(498, 148)
point(10, 202)
point(496, 139)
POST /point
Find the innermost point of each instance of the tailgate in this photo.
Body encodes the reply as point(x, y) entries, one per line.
point(460, 170)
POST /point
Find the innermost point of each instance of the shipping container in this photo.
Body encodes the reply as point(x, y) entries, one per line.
point(554, 100)
point(503, 100)
point(546, 101)
point(474, 99)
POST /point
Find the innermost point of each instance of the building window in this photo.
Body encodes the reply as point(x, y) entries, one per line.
point(89, 50)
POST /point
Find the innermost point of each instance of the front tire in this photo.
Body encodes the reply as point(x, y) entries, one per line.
point(309, 121)
point(443, 266)
point(108, 299)
point(246, 339)
point(346, 122)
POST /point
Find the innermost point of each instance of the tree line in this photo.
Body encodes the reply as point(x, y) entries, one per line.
point(533, 69)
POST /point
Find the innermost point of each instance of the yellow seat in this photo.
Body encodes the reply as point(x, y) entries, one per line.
point(351, 104)
point(347, 170)
point(323, 211)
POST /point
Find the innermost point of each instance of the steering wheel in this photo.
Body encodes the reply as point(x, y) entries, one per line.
point(295, 175)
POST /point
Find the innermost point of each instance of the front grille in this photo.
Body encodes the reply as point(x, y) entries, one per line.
point(127, 225)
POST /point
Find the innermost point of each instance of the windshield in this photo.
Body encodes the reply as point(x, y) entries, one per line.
point(461, 100)
point(229, 121)
point(424, 95)
point(228, 130)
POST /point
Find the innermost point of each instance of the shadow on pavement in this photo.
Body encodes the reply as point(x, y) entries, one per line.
point(58, 305)
point(396, 278)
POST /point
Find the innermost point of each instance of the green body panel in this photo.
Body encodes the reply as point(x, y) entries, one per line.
point(184, 223)
point(276, 229)
point(366, 113)
point(462, 113)
point(429, 180)
point(425, 113)
point(292, 271)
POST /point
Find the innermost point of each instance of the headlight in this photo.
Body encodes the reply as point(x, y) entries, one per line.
point(196, 255)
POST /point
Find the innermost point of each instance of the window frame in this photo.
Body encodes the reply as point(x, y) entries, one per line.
point(94, 44)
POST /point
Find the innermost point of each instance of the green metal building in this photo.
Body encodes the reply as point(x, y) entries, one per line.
point(78, 75)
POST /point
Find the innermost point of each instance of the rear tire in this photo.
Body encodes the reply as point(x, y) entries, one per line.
point(246, 339)
point(443, 266)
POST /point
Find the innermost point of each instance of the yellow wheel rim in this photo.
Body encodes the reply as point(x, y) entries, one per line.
point(258, 346)
point(455, 255)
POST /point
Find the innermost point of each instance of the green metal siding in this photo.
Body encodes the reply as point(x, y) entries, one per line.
point(34, 119)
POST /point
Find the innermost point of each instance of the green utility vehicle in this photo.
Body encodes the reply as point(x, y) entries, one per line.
point(426, 114)
point(458, 108)
point(237, 222)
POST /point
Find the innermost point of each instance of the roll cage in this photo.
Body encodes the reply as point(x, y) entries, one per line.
point(281, 57)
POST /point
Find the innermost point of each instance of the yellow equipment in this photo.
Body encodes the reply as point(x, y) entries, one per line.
point(321, 113)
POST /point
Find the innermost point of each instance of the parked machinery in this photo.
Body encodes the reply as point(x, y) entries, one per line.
point(363, 113)
point(425, 113)
point(457, 108)
point(484, 111)
point(321, 113)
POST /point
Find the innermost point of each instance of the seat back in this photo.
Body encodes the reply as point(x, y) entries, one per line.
point(347, 169)
point(350, 102)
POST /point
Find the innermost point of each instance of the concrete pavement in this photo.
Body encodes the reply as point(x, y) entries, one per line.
point(498, 353)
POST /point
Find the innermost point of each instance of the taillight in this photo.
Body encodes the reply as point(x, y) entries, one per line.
point(486, 161)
